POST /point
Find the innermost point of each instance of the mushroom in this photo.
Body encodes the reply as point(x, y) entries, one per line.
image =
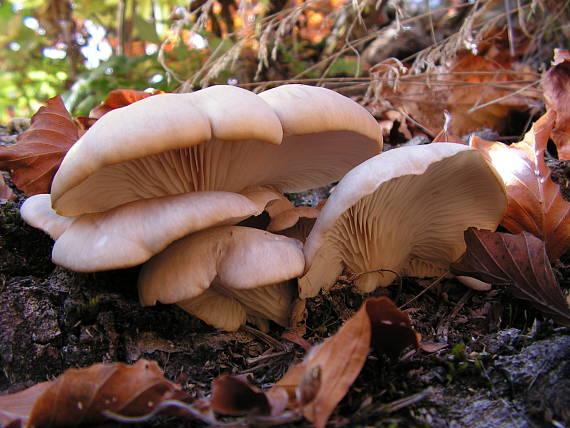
point(169, 165)
point(226, 275)
point(225, 138)
point(294, 222)
point(38, 213)
point(130, 234)
point(402, 212)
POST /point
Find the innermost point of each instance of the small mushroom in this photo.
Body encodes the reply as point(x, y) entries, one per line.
point(221, 138)
point(294, 222)
point(402, 212)
point(224, 275)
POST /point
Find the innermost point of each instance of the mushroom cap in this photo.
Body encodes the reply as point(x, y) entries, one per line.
point(235, 262)
point(220, 138)
point(284, 214)
point(130, 234)
point(291, 221)
point(402, 213)
point(37, 212)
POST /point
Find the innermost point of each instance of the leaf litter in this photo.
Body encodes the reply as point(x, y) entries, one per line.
point(311, 388)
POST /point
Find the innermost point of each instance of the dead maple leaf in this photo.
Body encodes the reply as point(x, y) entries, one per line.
point(516, 260)
point(339, 359)
point(535, 203)
point(35, 158)
point(80, 396)
point(556, 85)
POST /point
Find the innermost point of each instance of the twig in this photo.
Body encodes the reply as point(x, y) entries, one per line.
point(274, 343)
point(425, 290)
point(266, 356)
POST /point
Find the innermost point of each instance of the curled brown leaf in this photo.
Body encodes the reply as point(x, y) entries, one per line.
point(232, 395)
point(80, 396)
point(519, 261)
point(339, 359)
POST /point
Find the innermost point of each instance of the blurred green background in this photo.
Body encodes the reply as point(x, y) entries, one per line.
point(84, 49)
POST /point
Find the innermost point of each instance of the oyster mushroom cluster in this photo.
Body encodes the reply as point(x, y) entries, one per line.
point(165, 182)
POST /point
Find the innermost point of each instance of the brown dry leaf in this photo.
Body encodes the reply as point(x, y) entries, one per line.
point(5, 191)
point(478, 91)
point(339, 359)
point(119, 98)
point(516, 260)
point(535, 203)
point(35, 158)
point(232, 395)
point(79, 396)
point(556, 84)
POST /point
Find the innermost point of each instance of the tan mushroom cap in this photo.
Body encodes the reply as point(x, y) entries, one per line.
point(219, 138)
point(288, 220)
point(234, 264)
point(37, 212)
point(132, 233)
point(402, 212)
point(284, 214)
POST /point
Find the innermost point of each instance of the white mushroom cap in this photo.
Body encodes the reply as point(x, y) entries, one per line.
point(402, 212)
point(235, 265)
point(37, 212)
point(219, 138)
point(132, 233)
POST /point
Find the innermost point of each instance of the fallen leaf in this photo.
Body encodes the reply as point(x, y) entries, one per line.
point(79, 396)
point(535, 203)
point(5, 191)
point(232, 395)
point(35, 158)
point(117, 99)
point(516, 260)
point(477, 91)
point(556, 85)
point(339, 359)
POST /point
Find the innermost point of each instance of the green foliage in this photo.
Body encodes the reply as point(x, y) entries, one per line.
point(119, 72)
point(27, 77)
point(140, 44)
